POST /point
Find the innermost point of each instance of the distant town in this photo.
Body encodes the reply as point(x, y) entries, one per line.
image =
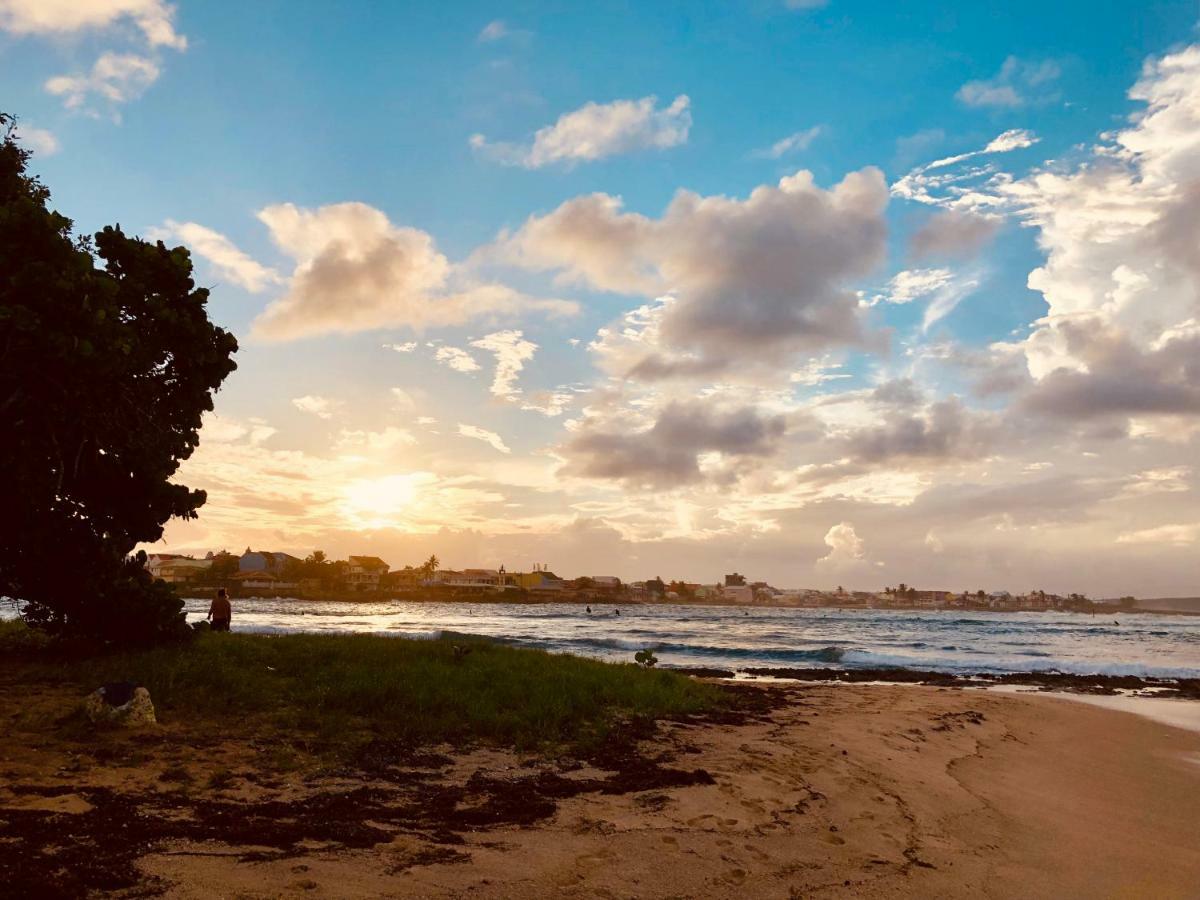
point(263, 573)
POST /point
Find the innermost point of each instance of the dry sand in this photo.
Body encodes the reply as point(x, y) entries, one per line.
point(842, 790)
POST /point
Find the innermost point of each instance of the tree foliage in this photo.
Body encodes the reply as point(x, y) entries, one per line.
point(107, 362)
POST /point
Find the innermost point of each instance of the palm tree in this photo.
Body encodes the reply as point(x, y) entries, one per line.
point(431, 565)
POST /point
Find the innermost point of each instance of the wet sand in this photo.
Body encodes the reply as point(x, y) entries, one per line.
point(828, 790)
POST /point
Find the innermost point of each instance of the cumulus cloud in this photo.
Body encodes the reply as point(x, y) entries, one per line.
point(846, 548)
point(374, 441)
point(402, 400)
point(39, 140)
point(457, 359)
point(356, 271)
point(1018, 83)
point(944, 431)
point(153, 18)
point(406, 347)
point(953, 233)
point(222, 253)
point(595, 131)
point(321, 407)
point(482, 434)
point(739, 282)
point(800, 140)
point(1109, 375)
point(669, 452)
point(512, 351)
point(115, 77)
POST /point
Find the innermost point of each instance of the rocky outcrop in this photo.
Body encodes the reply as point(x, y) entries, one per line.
point(133, 709)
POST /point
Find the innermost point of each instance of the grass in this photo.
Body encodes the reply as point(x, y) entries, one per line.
point(338, 688)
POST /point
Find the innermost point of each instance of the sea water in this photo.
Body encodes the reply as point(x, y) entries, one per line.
point(745, 637)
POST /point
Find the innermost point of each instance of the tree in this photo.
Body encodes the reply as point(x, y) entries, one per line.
point(430, 566)
point(107, 362)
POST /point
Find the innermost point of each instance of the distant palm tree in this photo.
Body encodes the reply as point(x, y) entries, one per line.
point(431, 566)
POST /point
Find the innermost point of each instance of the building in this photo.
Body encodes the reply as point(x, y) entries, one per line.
point(735, 580)
point(606, 582)
point(363, 573)
point(175, 569)
point(262, 581)
point(264, 561)
point(738, 593)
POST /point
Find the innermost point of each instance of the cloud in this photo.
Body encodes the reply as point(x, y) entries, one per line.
point(221, 252)
point(493, 31)
point(740, 283)
point(356, 271)
point(153, 18)
point(846, 548)
point(321, 407)
point(952, 233)
point(946, 299)
point(668, 453)
point(1163, 535)
point(457, 359)
point(1109, 375)
point(512, 351)
point(945, 431)
point(374, 441)
point(39, 140)
point(406, 347)
point(912, 284)
point(482, 434)
point(596, 131)
point(115, 77)
point(1018, 83)
point(800, 140)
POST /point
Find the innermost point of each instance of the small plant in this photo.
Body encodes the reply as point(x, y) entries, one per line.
point(645, 658)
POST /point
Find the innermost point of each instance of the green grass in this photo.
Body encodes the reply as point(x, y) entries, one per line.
point(334, 686)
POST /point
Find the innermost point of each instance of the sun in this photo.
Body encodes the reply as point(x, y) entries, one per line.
point(382, 502)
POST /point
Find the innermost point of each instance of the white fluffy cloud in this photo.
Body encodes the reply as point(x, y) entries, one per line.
point(595, 131)
point(39, 140)
point(222, 253)
point(457, 359)
point(493, 31)
point(153, 18)
point(115, 77)
point(512, 351)
point(313, 404)
point(749, 283)
point(846, 548)
point(356, 271)
point(911, 284)
point(482, 434)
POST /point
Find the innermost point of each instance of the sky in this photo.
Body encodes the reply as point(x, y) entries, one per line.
point(827, 293)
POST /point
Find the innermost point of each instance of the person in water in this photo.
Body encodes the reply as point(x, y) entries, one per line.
point(589, 609)
point(220, 612)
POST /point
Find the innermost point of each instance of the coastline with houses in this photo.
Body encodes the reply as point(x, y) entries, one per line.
point(263, 573)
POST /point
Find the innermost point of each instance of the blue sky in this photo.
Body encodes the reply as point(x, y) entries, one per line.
point(771, 444)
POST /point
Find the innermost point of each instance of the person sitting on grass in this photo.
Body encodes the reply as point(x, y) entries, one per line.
point(220, 612)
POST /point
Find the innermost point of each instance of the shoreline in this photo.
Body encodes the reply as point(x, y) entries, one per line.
point(822, 790)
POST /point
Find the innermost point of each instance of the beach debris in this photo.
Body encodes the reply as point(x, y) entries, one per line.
point(645, 658)
point(120, 703)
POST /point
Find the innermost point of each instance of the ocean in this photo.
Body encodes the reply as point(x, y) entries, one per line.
point(737, 638)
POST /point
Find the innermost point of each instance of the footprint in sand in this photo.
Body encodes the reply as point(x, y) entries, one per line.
point(667, 839)
point(756, 853)
point(734, 876)
point(692, 823)
point(724, 843)
point(833, 838)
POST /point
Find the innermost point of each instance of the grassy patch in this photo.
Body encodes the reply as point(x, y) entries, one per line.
point(338, 689)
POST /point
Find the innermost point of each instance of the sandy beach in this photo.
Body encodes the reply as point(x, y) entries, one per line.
point(829, 790)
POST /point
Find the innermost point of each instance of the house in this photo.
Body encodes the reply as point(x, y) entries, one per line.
point(176, 569)
point(738, 593)
point(264, 561)
point(538, 580)
point(363, 573)
point(606, 582)
point(262, 581)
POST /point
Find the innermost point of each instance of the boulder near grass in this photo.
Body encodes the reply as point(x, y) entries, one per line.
point(340, 691)
point(122, 704)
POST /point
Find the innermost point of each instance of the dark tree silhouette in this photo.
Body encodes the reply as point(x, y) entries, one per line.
point(107, 361)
